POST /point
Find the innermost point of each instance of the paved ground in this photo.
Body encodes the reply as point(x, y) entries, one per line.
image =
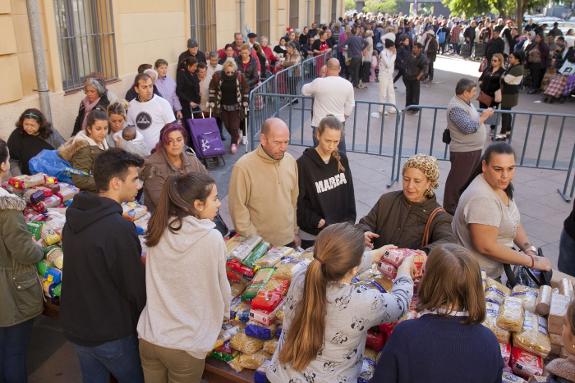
point(52, 359)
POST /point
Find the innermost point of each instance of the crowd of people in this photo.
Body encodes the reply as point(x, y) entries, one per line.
point(134, 319)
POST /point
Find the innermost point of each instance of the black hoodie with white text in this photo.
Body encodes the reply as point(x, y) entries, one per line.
point(324, 192)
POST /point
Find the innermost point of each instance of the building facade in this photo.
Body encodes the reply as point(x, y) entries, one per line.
point(112, 37)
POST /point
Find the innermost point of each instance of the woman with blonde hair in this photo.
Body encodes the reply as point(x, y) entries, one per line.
point(447, 342)
point(327, 317)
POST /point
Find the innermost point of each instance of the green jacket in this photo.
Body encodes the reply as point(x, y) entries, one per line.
point(21, 296)
point(81, 151)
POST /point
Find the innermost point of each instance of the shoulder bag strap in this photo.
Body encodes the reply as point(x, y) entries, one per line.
point(434, 213)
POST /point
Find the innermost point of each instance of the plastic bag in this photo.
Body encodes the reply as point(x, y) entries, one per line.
point(491, 314)
point(246, 344)
point(260, 331)
point(288, 266)
point(511, 314)
point(235, 364)
point(258, 252)
point(50, 162)
point(260, 374)
point(270, 346)
point(534, 336)
point(273, 256)
point(525, 364)
point(495, 292)
point(253, 361)
point(528, 296)
point(367, 371)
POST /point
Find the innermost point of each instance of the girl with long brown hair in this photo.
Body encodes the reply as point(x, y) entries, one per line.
point(185, 265)
point(327, 317)
point(326, 193)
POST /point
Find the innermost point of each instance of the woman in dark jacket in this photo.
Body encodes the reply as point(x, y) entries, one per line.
point(399, 218)
point(248, 66)
point(33, 134)
point(20, 289)
point(326, 193)
point(96, 97)
point(537, 54)
point(188, 88)
point(490, 83)
point(510, 82)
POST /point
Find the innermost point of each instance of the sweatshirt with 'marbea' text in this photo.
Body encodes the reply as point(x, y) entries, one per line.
point(324, 192)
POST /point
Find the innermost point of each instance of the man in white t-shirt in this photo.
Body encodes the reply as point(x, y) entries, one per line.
point(331, 95)
point(149, 112)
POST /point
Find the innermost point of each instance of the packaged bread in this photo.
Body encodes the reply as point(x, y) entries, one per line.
point(495, 292)
point(566, 287)
point(509, 377)
point(534, 336)
point(557, 311)
point(253, 361)
point(511, 314)
point(491, 314)
point(270, 346)
point(528, 296)
point(525, 364)
point(246, 344)
point(543, 302)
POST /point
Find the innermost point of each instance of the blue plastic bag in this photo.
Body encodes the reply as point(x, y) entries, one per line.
point(50, 163)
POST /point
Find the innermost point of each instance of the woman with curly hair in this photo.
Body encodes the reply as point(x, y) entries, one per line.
point(33, 134)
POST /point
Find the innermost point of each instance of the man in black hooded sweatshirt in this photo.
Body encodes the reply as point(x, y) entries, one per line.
point(104, 290)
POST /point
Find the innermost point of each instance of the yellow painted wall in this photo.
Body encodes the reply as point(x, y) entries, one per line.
point(228, 10)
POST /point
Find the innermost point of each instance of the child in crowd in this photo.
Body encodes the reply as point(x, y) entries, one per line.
point(131, 141)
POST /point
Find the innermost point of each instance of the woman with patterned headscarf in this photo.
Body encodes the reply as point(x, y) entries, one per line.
point(401, 217)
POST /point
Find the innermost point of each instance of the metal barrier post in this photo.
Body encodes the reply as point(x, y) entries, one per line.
point(563, 193)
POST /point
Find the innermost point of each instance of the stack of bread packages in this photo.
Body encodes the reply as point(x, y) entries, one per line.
point(559, 300)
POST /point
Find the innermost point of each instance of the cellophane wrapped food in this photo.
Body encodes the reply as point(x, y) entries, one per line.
point(511, 314)
point(543, 303)
point(388, 270)
point(528, 296)
point(288, 266)
point(235, 364)
point(246, 344)
point(258, 282)
point(273, 256)
point(259, 251)
point(509, 377)
point(367, 371)
point(534, 336)
point(495, 292)
point(491, 314)
point(260, 331)
point(253, 361)
point(525, 364)
point(505, 353)
point(270, 346)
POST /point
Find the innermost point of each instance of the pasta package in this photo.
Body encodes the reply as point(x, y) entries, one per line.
point(288, 267)
point(525, 364)
point(528, 296)
point(260, 280)
point(495, 292)
point(509, 377)
point(534, 336)
point(253, 361)
point(491, 314)
point(511, 314)
point(566, 287)
point(543, 302)
point(235, 364)
point(246, 344)
point(246, 247)
point(270, 346)
point(557, 311)
point(273, 256)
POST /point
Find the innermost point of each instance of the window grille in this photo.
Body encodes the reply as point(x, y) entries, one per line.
point(263, 18)
point(203, 24)
point(294, 14)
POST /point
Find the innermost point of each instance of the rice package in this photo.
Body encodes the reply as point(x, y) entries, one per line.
point(259, 251)
point(495, 292)
point(505, 353)
point(528, 295)
point(491, 314)
point(270, 346)
point(534, 336)
point(287, 267)
point(246, 247)
point(246, 344)
point(525, 364)
point(260, 331)
point(260, 279)
point(543, 303)
point(511, 314)
point(557, 311)
point(367, 371)
point(566, 287)
point(509, 377)
point(234, 265)
point(253, 361)
point(273, 256)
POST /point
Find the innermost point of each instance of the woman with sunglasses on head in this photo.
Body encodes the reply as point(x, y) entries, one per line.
point(33, 134)
point(490, 85)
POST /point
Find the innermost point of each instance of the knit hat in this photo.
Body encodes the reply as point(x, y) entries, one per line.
point(428, 166)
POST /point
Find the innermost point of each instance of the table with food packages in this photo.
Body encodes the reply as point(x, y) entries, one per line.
point(527, 321)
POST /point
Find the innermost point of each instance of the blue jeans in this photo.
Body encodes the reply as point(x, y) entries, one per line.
point(566, 261)
point(13, 347)
point(120, 358)
point(341, 147)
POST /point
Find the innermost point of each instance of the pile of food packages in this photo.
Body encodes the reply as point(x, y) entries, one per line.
point(260, 277)
point(46, 202)
point(528, 324)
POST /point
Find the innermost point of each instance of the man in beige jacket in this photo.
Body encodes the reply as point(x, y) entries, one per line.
point(264, 188)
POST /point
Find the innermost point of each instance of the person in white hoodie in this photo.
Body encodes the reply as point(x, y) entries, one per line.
point(386, 68)
point(188, 293)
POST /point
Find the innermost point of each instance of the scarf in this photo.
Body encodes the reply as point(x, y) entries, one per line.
point(563, 368)
point(87, 109)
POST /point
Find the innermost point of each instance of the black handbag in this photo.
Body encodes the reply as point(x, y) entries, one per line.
point(446, 138)
point(523, 275)
point(221, 225)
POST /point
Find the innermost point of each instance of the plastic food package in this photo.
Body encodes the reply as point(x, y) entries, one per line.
point(419, 260)
point(55, 256)
point(260, 374)
point(534, 336)
point(259, 331)
point(26, 182)
point(259, 281)
point(35, 228)
point(491, 314)
point(566, 287)
point(288, 266)
point(556, 339)
point(50, 236)
point(253, 361)
point(246, 344)
point(238, 287)
point(132, 211)
point(396, 256)
point(557, 311)
point(242, 313)
point(235, 265)
point(527, 294)
point(273, 256)
point(511, 314)
point(67, 191)
point(258, 252)
point(495, 292)
point(375, 340)
point(388, 270)
point(268, 300)
point(505, 353)
point(508, 377)
point(233, 242)
point(235, 364)
point(525, 364)
point(367, 371)
point(270, 346)
point(226, 333)
point(246, 247)
point(224, 353)
point(543, 302)
point(370, 354)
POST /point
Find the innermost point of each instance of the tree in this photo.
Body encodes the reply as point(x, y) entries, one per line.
point(383, 6)
point(349, 5)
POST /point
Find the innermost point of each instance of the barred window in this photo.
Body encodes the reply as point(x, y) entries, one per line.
point(263, 17)
point(317, 12)
point(294, 14)
point(86, 40)
point(203, 23)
